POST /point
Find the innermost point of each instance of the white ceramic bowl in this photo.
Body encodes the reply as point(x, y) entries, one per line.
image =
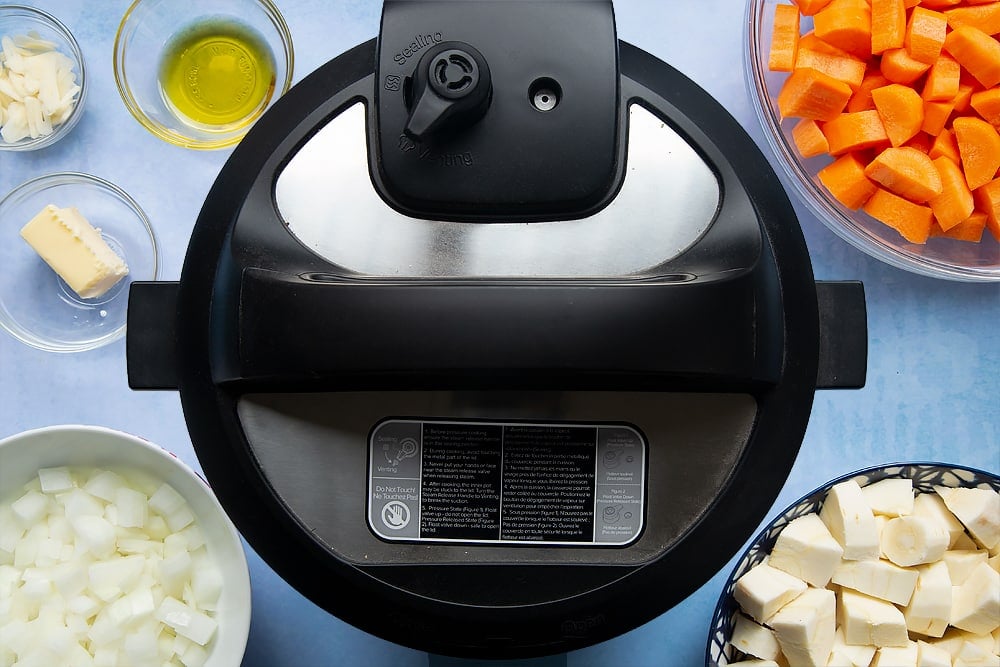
point(22, 20)
point(925, 476)
point(25, 453)
point(938, 258)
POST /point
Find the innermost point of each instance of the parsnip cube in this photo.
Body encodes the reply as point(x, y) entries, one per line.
point(851, 521)
point(890, 497)
point(806, 626)
point(973, 655)
point(805, 549)
point(897, 656)
point(961, 563)
point(977, 509)
point(877, 578)
point(976, 603)
point(931, 505)
point(754, 639)
point(763, 590)
point(913, 540)
point(929, 612)
point(868, 621)
point(849, 655)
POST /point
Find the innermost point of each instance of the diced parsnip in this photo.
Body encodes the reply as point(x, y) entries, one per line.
point(931, 505)
point(763, 590)
point(976, 603)
point(851, 521)
point(892, 496)
point(929, 611)
point(806, 549)
point(961, 563)
point(977, 509)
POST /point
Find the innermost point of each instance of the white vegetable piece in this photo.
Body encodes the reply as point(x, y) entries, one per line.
point(977, 509)
point(929, 612)
point(54, 480)
point(849, 655)
point(973, 655)
point(104, 484)
point(890, 497)
point(869, 621)
point(913, 540)
point(133, 507)
point(166, 500)
point(931, 505)
point(877, 578)
point(961, 563)
point(976, 603)
point(929, 655)
point(38, 88)
point(754, 639)
point(851, 522)
point(30, 508)
point(806, 626)
point(741, 663)
point(763, 590)
point(897, 656)
point(186, 621)
point(95, 533)
point(806, 549)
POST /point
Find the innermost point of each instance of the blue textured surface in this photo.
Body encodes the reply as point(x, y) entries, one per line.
point(933, 389)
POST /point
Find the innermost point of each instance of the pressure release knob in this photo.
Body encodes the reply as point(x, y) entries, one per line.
point(451, 89)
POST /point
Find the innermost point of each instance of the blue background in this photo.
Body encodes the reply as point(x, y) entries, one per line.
point(933, 390)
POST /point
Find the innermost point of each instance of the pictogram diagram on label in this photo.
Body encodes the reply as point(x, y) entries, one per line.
point(395, 515)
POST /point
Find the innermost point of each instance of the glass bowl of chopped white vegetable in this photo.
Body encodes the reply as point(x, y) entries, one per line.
point(111, 548)
point(43, 81)
point(892, 565)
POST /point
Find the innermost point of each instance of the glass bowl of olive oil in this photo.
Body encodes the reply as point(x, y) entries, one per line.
point(200, 78)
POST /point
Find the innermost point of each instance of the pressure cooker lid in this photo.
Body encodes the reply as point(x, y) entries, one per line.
point(496, 336)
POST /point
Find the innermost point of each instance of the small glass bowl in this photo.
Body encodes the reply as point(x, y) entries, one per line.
point(938, 258)
point(36, 306)
point(925, 476)
point(22, 20)
point(145, 31)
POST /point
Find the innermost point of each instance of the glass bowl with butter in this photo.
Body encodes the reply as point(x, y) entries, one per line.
point(43, 80)
point(71, 245)
point(886, 560)
point(200, 75)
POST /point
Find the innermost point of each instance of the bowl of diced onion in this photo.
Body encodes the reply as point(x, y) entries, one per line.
point(113, 551)
point(891, 565)
point(810, 71)
point(43, 80)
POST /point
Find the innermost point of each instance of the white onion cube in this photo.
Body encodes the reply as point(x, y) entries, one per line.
point(132, 507)
point(30, 508)
point(186, 621)
point(166, 500)
point(58, 479)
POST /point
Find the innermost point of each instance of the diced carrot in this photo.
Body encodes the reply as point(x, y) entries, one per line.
point(832, 61)
point(810, 7)
point(963, 97)
point(899, 67)
point(977, 52)
point(861, 100)
point(922, 142)
point(912, 221)
point(906, 172)
point(985, 17)
point(809, 138)
point(954, 204)
point(938, 4)
point(888, 25)
point(845, 179)
point(808, 93)
point(987, 104)
point(988, 201)
point(846, 24)
point(784, 38)
point(925, 34)
point(971, 229)
point(854, 131)
point(901, 111)
point(979, 146)
point(942, 79)
point(936, 116)
point(945, 145)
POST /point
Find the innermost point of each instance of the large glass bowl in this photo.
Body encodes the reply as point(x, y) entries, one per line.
point(36, 306)
point(21, 20)
point(938, 258)
point(144, 33)
point(925, 476)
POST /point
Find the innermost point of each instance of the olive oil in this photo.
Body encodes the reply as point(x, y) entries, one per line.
point(217, 74)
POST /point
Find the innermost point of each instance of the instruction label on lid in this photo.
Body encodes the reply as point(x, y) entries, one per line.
point(506, 482)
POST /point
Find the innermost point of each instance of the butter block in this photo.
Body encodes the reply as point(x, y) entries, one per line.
point(868, 621)
point(75, 250)
point(851, 522)
point(929, 655)
point(897, 656)
point(890, 497)
point(975, 605)
point(763, 590)
point(754, 639)
point(877, 578)
point(806, 549)
point(806, 628)
point(929, 611)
